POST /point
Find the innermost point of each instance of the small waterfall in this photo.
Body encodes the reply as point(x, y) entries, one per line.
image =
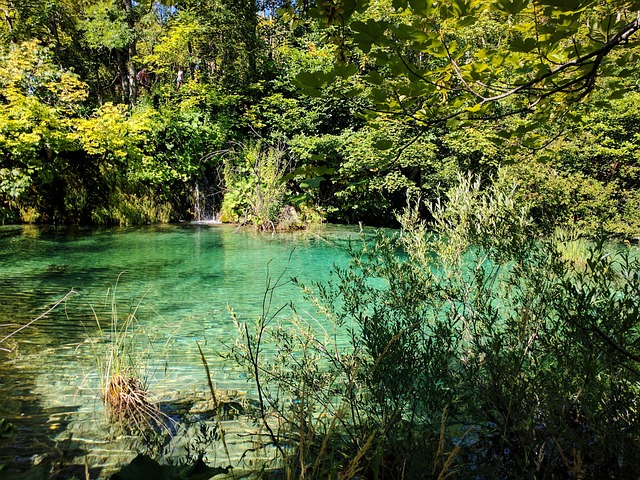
point(204, 203)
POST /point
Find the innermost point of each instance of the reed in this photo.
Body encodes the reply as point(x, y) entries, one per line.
point(124, 390)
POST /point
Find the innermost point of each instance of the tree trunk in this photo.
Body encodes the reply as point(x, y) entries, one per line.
point(7, 16)
point(124, 76)
point(131, 70)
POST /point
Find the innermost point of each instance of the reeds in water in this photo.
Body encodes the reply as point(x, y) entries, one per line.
point(129, 405)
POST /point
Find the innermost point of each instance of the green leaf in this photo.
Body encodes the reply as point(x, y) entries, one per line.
point(615, 94)
point(463, 8)
point(418, 6)
point(477, 68)
point(385, 144)
point(345, 71)
point(523, 45)
point(309, 79)
point(512, 7)
point(506, 134)
point(369, 33)
point(378, 95)
point(312, 182)
point(299, 199)
point(374, 78)
point(312, 92)
point(452, 123)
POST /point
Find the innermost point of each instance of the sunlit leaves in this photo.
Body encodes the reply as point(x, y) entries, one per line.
point(368, 34)
point(442, 60)
point(512, 7)
point(115, 134)
point(172, 49)
point(105, 26)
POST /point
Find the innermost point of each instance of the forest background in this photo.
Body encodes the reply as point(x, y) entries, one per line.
point(322, 107)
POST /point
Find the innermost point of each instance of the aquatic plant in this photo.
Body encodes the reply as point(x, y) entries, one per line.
point(129, 405)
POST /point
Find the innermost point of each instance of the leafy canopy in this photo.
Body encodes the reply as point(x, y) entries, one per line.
point(429, 62)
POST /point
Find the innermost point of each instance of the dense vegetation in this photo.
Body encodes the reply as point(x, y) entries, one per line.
point(479, 345)
point(480, 352)
point(338, 118)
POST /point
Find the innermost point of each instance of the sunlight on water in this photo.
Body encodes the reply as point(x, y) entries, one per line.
point(179, 280)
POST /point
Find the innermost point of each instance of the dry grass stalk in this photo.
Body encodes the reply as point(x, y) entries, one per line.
point(128, 404)
point(354, 465)
point(445, 470)
point(19, 329)
point(217, 405)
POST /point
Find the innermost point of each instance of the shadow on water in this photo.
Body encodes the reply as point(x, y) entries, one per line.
point(35, 442)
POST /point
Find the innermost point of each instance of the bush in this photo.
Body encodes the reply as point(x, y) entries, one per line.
point(467, 348)
point(256, 190)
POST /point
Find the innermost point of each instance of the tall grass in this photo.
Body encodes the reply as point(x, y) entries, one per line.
point(122, 365)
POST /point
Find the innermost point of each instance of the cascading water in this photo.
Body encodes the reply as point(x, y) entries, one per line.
point(204, 204)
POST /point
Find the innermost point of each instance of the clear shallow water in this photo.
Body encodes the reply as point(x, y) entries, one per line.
point(181, 279)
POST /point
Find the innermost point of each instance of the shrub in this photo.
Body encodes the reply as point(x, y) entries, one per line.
point(256, 191)
point(465, 348)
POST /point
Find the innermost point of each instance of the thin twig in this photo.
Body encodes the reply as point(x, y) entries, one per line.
point(55, 305)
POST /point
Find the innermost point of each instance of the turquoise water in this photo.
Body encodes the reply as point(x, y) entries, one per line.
point(180, 279)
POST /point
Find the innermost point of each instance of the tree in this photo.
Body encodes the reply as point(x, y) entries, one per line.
point(37, 106)
point(112, 26)
point(431, 63)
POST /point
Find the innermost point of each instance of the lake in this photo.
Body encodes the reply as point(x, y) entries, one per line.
point(179, 280)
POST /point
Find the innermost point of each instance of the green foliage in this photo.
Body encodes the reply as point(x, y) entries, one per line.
point(451, 62)
point(419, 73)
point(115, 135)
point(255, 189)
point(172, 49)
point(39, 102)
point(105, 26)
point(375, 167)
point(471, 350)
point(560, 198)
point(587, 177)
point(496, 95)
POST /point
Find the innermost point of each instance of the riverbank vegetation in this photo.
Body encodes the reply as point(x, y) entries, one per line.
point(479, 352)
point(281, 119)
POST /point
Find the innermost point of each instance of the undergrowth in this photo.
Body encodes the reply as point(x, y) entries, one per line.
point(465, 348)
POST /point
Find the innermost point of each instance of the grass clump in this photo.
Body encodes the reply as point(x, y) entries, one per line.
point(129, 405)
point(128, 402)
